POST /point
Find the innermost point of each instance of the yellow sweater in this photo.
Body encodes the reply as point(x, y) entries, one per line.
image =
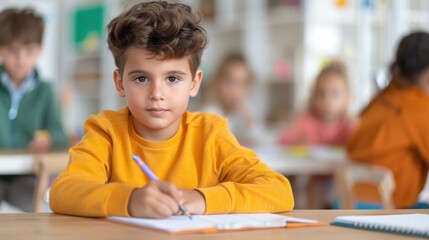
point(202, 155)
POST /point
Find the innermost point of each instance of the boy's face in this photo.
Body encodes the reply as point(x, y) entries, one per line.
point(157, 92)
point(19, 59)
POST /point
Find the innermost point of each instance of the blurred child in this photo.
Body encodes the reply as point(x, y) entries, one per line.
point(29, 115)
point(227, 96)
point(393, 130)
point(325, 123)
point(198, 160)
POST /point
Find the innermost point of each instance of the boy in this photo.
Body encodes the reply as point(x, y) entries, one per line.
point(29, 117)
point(157, 49)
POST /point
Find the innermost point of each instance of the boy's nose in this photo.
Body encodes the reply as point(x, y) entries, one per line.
point(21, 57)
point(157, 92)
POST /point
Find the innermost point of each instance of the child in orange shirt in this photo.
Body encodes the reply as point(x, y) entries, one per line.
point(157, 48)
point(325, 123)
point(393, 130)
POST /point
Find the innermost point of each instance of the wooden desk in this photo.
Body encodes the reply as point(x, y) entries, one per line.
point(50, 226)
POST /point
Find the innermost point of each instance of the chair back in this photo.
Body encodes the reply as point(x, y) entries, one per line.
point(350, 174)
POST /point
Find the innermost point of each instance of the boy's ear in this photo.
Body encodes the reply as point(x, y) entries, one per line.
point(118, 83)
point(196, 83)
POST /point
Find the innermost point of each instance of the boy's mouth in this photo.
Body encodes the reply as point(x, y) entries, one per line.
point(156, 111)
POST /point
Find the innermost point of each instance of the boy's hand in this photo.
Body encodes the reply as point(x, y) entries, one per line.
point(194, 201)
point(157, 199)
point(42, 141)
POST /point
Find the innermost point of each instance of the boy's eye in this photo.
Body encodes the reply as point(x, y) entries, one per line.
point(12, 50)
point(30, 50)
point(173, 79)
point(141, 79)
point(320, 94)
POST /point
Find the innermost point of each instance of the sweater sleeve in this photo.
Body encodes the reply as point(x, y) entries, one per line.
point(53, 121)
point(83, 188)
point(246, 185)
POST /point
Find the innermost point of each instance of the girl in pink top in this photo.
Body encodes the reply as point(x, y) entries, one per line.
point(325, 123)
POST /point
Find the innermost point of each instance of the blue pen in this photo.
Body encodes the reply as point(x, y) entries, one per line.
point(153, 177)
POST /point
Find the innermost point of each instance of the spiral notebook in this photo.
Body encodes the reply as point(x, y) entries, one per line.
point(407, 224)
point(215, 223)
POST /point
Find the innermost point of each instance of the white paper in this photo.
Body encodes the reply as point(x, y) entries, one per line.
point(220, 221)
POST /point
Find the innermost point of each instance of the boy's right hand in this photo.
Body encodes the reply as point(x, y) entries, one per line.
point(157, 199)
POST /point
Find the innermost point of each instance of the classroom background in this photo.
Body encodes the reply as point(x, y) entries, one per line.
point(285, 42)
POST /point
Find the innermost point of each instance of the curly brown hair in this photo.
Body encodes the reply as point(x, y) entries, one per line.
point(22, 25)
point(168, 30)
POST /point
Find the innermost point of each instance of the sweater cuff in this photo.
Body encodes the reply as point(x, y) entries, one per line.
point(117, 204)
point(218, 199)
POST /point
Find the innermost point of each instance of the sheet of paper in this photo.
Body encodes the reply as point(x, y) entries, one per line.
point(214, 222)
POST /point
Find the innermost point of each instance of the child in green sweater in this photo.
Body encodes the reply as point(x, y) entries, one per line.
point(29, 115)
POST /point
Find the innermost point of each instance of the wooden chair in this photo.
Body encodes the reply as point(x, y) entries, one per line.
point(350, 174)
point(46, 164)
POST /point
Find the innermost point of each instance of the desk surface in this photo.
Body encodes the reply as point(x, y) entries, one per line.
point(51, 226)
point(21, 162)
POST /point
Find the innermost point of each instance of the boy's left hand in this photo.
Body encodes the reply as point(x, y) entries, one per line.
point(42, 141)
point(194, 201)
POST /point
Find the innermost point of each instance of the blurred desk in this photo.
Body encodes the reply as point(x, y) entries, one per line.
point(40, 164)
point(320, 161)
point(315, 160)
point(52, 226)
point(23, 162)
point(16, 162)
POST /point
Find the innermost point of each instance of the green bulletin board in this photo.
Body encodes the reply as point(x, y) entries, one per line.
point(88, 27)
